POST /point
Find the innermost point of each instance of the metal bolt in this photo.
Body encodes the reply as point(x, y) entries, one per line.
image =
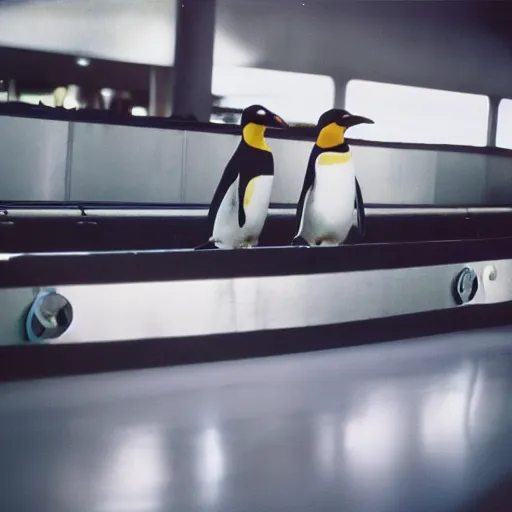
point(490, 273)
point(465, 286)
point(49, 316)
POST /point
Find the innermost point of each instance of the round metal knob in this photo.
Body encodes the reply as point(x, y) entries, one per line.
point(490, 273)
point(49, 316)
point(465, 286)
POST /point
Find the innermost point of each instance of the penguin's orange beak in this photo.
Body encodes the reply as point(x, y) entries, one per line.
point(277, 122)
point(349, 120)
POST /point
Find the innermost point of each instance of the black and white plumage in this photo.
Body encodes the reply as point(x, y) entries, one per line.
point(330, 190)
point(240, 203)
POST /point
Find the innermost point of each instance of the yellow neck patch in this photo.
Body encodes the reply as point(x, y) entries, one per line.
point(254, 135)
point(333, 158)
point(330, 136)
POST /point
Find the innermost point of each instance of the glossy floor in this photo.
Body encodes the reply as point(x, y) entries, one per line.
point(423, 425)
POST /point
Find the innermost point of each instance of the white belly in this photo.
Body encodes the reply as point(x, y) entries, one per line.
point(329, 206)
point(227, 233)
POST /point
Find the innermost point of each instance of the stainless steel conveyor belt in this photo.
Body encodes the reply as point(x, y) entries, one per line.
point(177, 295)
point(199, 307)
point(75, 227)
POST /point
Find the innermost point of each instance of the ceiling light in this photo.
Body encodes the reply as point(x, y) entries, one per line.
point(83, 62)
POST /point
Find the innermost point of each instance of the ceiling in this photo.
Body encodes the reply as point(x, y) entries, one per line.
point(452, 44)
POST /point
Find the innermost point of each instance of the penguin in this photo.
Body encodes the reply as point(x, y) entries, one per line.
point(59, 95)
point(240, 204)
point(330, 191)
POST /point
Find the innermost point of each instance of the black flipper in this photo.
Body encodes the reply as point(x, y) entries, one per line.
point(207, 246)
point(256, 163)
point(309, 181)
point(228, 178)
point(242, 186)
point(361, 214)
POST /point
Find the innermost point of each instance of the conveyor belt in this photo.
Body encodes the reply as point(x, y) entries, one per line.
point(33, 228)
point(176, 307)
point(419, 426)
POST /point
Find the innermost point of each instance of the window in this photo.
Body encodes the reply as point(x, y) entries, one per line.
point(414, 114)
point(296, 97)
point(3, 92)
point(34, 99)
point(504, 128)
point(139, 111)
point(48, 98)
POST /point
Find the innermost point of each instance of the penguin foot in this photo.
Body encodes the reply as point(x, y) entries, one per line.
point(328, 242)
point(207, 246)
point(247, 245)
point(298, 241)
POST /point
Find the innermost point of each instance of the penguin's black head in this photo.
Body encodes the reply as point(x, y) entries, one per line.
point(333, 124)
point(261, 116)
point(342, 118)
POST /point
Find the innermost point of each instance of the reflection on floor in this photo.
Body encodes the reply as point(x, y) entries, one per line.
point(406, 426)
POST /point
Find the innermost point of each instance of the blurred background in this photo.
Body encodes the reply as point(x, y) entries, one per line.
point(428, 71)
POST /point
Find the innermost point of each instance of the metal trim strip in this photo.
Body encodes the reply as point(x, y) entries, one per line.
point(169, 309)
point(15, 212)
point(49, 269)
